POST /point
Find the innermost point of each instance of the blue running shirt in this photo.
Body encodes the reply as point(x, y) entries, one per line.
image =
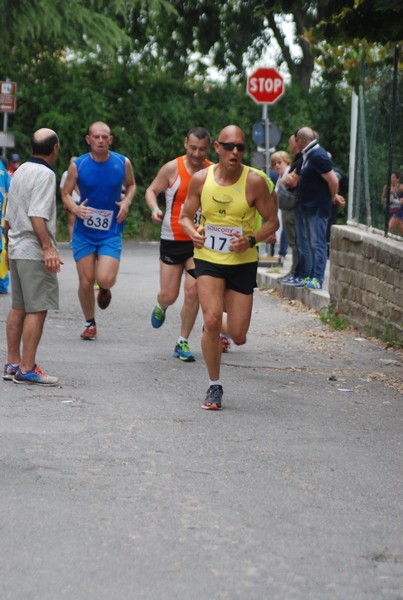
point(101, 183)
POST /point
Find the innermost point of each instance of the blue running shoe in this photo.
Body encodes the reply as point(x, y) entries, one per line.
point(314, 284)
point(304, 282)
point(36, 376)
point(291, 280)
point(158, 316)
point(182, 351)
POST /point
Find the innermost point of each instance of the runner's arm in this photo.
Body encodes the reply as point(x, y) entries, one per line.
point(130, 186)
point(162, 181)
point(266, 204)
point(191, 206)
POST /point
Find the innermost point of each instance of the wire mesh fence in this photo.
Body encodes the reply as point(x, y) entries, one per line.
point(376, 159)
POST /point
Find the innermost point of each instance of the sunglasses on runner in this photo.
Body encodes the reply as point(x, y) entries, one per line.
point(230, 146)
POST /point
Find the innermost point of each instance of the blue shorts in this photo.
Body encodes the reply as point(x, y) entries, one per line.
point(83, 246)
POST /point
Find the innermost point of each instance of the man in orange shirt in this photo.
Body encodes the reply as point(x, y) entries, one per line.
point(176, 248)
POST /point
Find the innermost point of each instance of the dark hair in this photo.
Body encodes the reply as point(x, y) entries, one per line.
point(45, 146)
point(200, 133)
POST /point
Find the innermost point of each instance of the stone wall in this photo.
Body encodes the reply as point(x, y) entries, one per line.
point(366, 281)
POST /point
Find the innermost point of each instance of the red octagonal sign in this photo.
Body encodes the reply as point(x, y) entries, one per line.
point(265, 85)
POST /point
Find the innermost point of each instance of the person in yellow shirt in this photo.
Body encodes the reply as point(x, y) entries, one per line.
point(228, 194)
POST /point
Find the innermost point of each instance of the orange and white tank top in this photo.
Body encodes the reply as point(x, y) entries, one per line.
point(175, 196)
point(225, 212)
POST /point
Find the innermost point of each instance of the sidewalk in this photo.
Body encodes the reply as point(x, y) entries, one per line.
point(270, 278)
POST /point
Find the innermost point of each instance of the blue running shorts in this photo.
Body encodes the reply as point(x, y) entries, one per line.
point(83, 246)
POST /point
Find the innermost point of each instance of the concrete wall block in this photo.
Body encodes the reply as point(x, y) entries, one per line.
point(375, 303)
point(384, 273)
point(373, 285)
point(390, 293)
point(393, 313)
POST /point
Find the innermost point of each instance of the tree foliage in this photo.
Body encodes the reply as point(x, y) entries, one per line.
point(376, 21)
point(32, 29)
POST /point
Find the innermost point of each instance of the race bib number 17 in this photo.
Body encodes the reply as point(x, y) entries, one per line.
point(100, 219)
point(218, 237)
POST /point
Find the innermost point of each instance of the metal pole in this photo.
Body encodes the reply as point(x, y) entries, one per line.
point(392, 120)
point(266, 138)
point(353, 154)
point(5, 127)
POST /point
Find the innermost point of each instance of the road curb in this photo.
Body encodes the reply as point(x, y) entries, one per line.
point(316, 299)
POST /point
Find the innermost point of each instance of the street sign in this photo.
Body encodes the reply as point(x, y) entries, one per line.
point(8, 96)
point(259, 134)
point(265, 85)
point(7, 140)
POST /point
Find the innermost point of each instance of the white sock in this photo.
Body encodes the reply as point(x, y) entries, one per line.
point(218, 382)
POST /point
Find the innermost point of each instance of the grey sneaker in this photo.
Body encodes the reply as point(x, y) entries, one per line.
point(213, 398)
point(36, 376)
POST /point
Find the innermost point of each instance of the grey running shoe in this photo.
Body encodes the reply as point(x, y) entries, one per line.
point(213, 398)
point(9, 372)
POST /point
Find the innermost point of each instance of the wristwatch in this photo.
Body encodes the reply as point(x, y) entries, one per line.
point(252, 241)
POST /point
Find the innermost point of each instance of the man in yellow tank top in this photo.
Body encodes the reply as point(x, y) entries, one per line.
point(228, 194)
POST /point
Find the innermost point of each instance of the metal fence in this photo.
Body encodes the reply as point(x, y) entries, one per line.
point(376, 145)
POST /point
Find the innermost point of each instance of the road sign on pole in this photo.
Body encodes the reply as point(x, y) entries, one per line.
point(265, 85)
point(259, 134)
point(8, 96)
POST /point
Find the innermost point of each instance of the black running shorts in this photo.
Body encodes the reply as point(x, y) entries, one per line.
point(240, 278)
point(175, 253)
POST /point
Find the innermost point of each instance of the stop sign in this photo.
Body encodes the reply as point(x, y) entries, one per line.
point(265, 85)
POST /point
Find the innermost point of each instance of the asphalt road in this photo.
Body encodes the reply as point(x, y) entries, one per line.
point(117, 486)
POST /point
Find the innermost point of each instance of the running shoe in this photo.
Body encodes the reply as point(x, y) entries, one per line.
point(314, 284)
point(289, 280)
point(225, 343)
point(182, 351)
point(303, 282)
point(158, 316)
point(297, 280)
point(9, 372)
point(213, 398)
point(104, 298)
point(36, 376)
point(89, 333)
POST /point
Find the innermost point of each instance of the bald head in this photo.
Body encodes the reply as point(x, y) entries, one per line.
point(229, 132)
point(99, 125)
point(306, 135)
point(43, 142)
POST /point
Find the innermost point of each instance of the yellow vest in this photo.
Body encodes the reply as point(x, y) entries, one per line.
point(226, 206)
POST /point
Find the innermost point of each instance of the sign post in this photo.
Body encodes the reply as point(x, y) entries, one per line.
point(265, 86)
point(8, 104)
